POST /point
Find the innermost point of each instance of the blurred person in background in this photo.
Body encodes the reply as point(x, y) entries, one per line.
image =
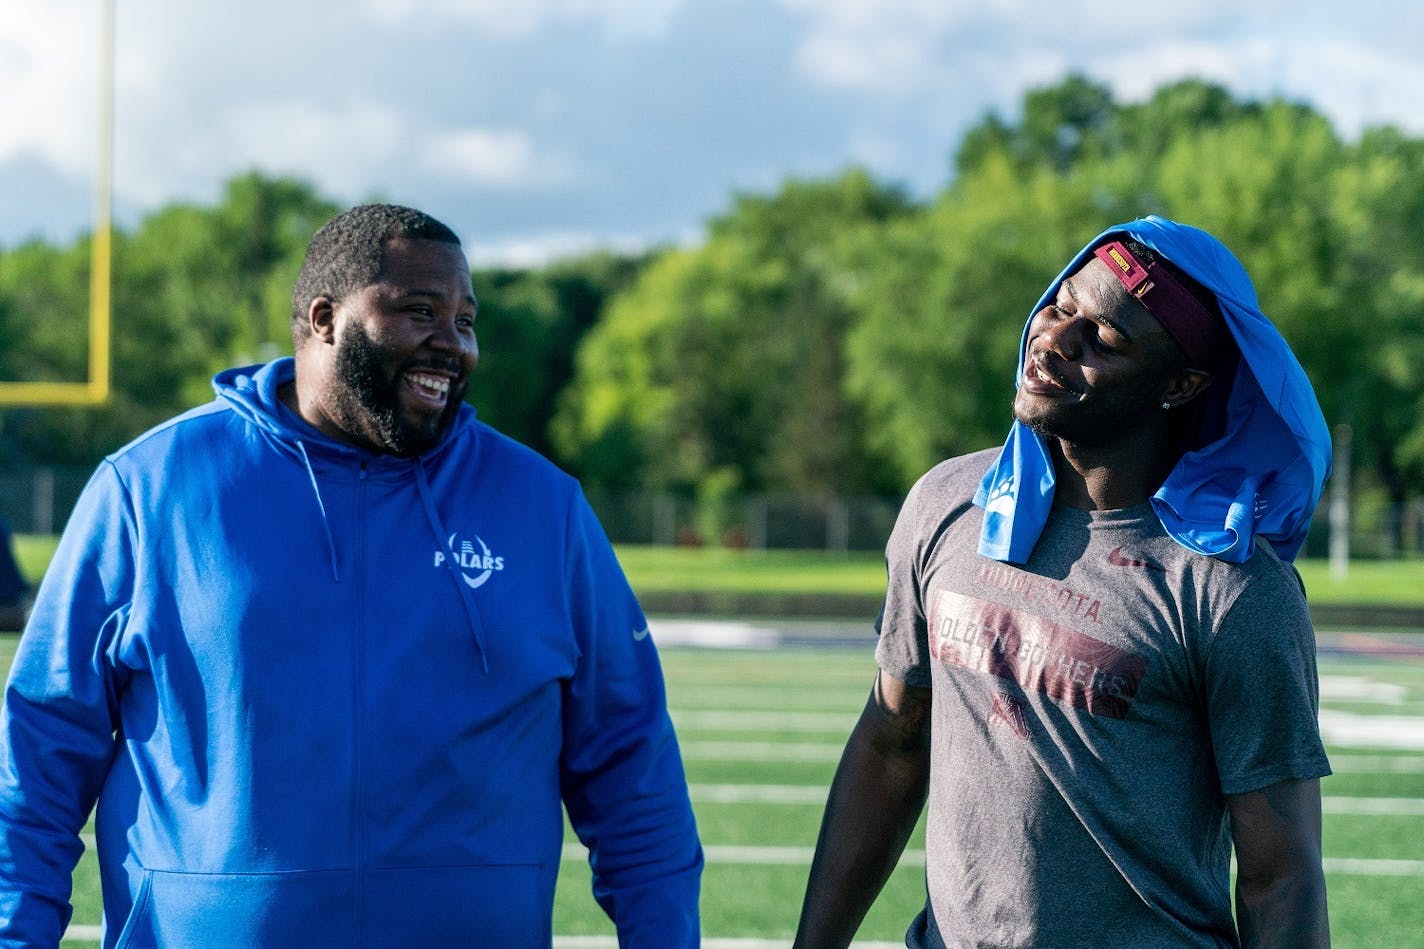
point(14, 589)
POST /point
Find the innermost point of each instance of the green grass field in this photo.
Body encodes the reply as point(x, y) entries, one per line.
point(761, 732)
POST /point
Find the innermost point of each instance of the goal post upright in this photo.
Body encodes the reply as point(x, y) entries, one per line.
point(95, 389)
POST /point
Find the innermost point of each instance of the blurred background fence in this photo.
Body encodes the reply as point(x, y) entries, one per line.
point(38, 499)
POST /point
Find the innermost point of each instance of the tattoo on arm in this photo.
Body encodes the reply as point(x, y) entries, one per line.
point(902, 712)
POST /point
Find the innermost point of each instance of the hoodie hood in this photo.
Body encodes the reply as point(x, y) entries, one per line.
point(251, 391)
point(1262, 477)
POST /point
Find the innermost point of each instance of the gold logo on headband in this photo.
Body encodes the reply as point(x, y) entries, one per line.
point(1119, 260)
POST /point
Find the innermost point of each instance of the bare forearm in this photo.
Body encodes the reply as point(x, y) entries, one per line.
point(875, 800)
point(1288, 912)
point(1280, 884)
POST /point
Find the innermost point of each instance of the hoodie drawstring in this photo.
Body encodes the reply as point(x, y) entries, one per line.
point(325, 524)
point(466, 597)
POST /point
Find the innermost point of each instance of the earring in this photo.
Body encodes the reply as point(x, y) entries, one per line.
point(1166, 406)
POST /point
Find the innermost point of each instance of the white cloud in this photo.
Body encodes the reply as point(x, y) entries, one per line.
point(1359, 87)
point(50, 76)
point(876, 151)
point(590, 116)
point(988, 53)
point(346, 145)
point(888, 46)
point(351, 150)
point(494, 157)
point(534, 250)
point(1354, 86)
point(622, 19)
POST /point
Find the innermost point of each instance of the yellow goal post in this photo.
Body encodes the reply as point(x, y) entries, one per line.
point(95, 389)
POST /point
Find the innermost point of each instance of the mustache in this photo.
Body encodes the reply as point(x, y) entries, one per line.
point(449, 366)
point(1040, 361)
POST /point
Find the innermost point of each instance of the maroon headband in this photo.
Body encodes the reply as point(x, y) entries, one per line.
point(1195, 329)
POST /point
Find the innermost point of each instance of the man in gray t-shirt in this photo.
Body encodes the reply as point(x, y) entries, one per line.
point(1106, 686)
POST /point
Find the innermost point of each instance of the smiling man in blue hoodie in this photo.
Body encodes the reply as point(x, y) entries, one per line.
point(328, 656)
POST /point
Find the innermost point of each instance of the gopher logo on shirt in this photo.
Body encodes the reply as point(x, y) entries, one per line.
point(1008, 710)
point(476, 564)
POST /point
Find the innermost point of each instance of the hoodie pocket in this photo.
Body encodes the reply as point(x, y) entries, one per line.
point(241, 911)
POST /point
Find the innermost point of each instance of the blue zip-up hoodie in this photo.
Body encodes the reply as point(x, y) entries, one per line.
point(325, 697)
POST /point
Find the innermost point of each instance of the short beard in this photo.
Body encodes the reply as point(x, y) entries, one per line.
point(1104, 422)
point(364, 399)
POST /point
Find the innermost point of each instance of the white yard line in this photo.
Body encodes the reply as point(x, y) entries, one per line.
point(1353, 730)
point(1377, 764)
point(1341, 688)
point(725, 634)
point(758, 793)
point(1374, 806)
point(759, 721)
point(1350, 866)
point(85, 933)
point(816, 794)
point(801, 856)
point(697, 750)
point(611, 942)
point(761, 751)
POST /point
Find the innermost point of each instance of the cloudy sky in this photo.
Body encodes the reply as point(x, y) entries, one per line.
point(542, 127)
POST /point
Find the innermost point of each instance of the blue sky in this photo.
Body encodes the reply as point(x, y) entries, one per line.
point(542, 127)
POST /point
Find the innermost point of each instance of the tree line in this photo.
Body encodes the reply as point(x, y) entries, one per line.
point(834, 337)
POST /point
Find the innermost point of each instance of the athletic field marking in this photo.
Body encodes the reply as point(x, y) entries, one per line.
point(1374, 806)
point(718, 633)
point(816, 794)
point(801, 856)
point(823, 698)
point(611, 942)
point(806, 751)
point(758, 793)
point(1351, 730)
point(761, 751)
point(85, 933)
point(1361, 689)
point(1349, 866)
point(1377, 764)
point(757, 721)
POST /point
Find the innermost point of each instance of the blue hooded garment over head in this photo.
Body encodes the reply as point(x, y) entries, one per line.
point(1261, 478)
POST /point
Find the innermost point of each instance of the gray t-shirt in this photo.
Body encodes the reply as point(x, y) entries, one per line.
point(1091, 709)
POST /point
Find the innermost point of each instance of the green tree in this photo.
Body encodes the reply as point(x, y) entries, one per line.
point(530, 324)
point(1378, 211)
point(729, 358)
point(943, 305)
point(1060, 124)
point(194, 290)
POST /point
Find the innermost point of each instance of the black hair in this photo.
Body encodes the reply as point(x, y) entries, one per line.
point(347, 252)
